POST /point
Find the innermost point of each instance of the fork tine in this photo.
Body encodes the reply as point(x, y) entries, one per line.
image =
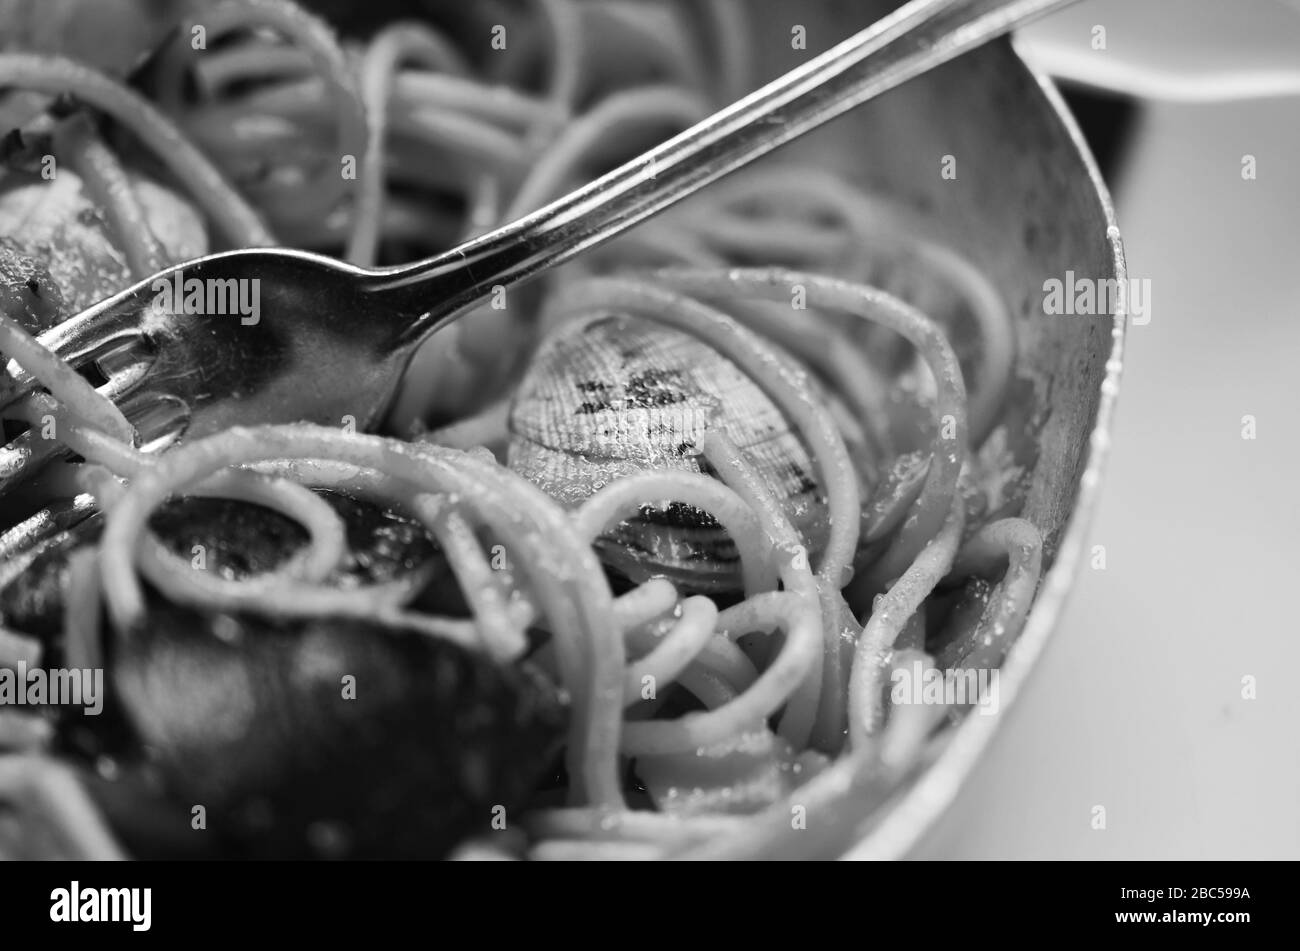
point(98, 330)
point(20, 544)
point(25, 455)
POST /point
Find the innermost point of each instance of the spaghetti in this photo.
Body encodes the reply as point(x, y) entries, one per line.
point(891, 370)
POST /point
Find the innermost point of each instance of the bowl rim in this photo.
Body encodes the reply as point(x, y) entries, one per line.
point(915, 809)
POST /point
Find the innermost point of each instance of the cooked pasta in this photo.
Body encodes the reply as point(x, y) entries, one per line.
point(721, 542)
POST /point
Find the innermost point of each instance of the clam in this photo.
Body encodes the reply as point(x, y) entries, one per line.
point(60, 224)
point(610, 395)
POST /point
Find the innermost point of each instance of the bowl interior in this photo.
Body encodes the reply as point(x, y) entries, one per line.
point(1026, 207)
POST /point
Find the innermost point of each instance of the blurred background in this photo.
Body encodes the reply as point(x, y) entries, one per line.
point(1138, 704)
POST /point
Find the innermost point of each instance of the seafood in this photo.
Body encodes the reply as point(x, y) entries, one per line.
point(611, 395)
point(239, 736)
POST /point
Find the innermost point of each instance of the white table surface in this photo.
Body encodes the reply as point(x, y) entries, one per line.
point(1137, 705)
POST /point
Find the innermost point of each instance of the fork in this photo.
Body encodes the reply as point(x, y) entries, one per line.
point(332, 339)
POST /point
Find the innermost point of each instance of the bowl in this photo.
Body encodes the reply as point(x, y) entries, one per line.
point(1027, 206)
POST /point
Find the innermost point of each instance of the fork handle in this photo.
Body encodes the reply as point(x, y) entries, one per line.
point(915, 38)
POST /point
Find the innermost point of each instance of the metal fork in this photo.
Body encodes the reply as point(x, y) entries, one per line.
point(333, 339)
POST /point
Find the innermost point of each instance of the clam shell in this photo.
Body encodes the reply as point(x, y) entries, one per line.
point(60, 224)
point(611, 395)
